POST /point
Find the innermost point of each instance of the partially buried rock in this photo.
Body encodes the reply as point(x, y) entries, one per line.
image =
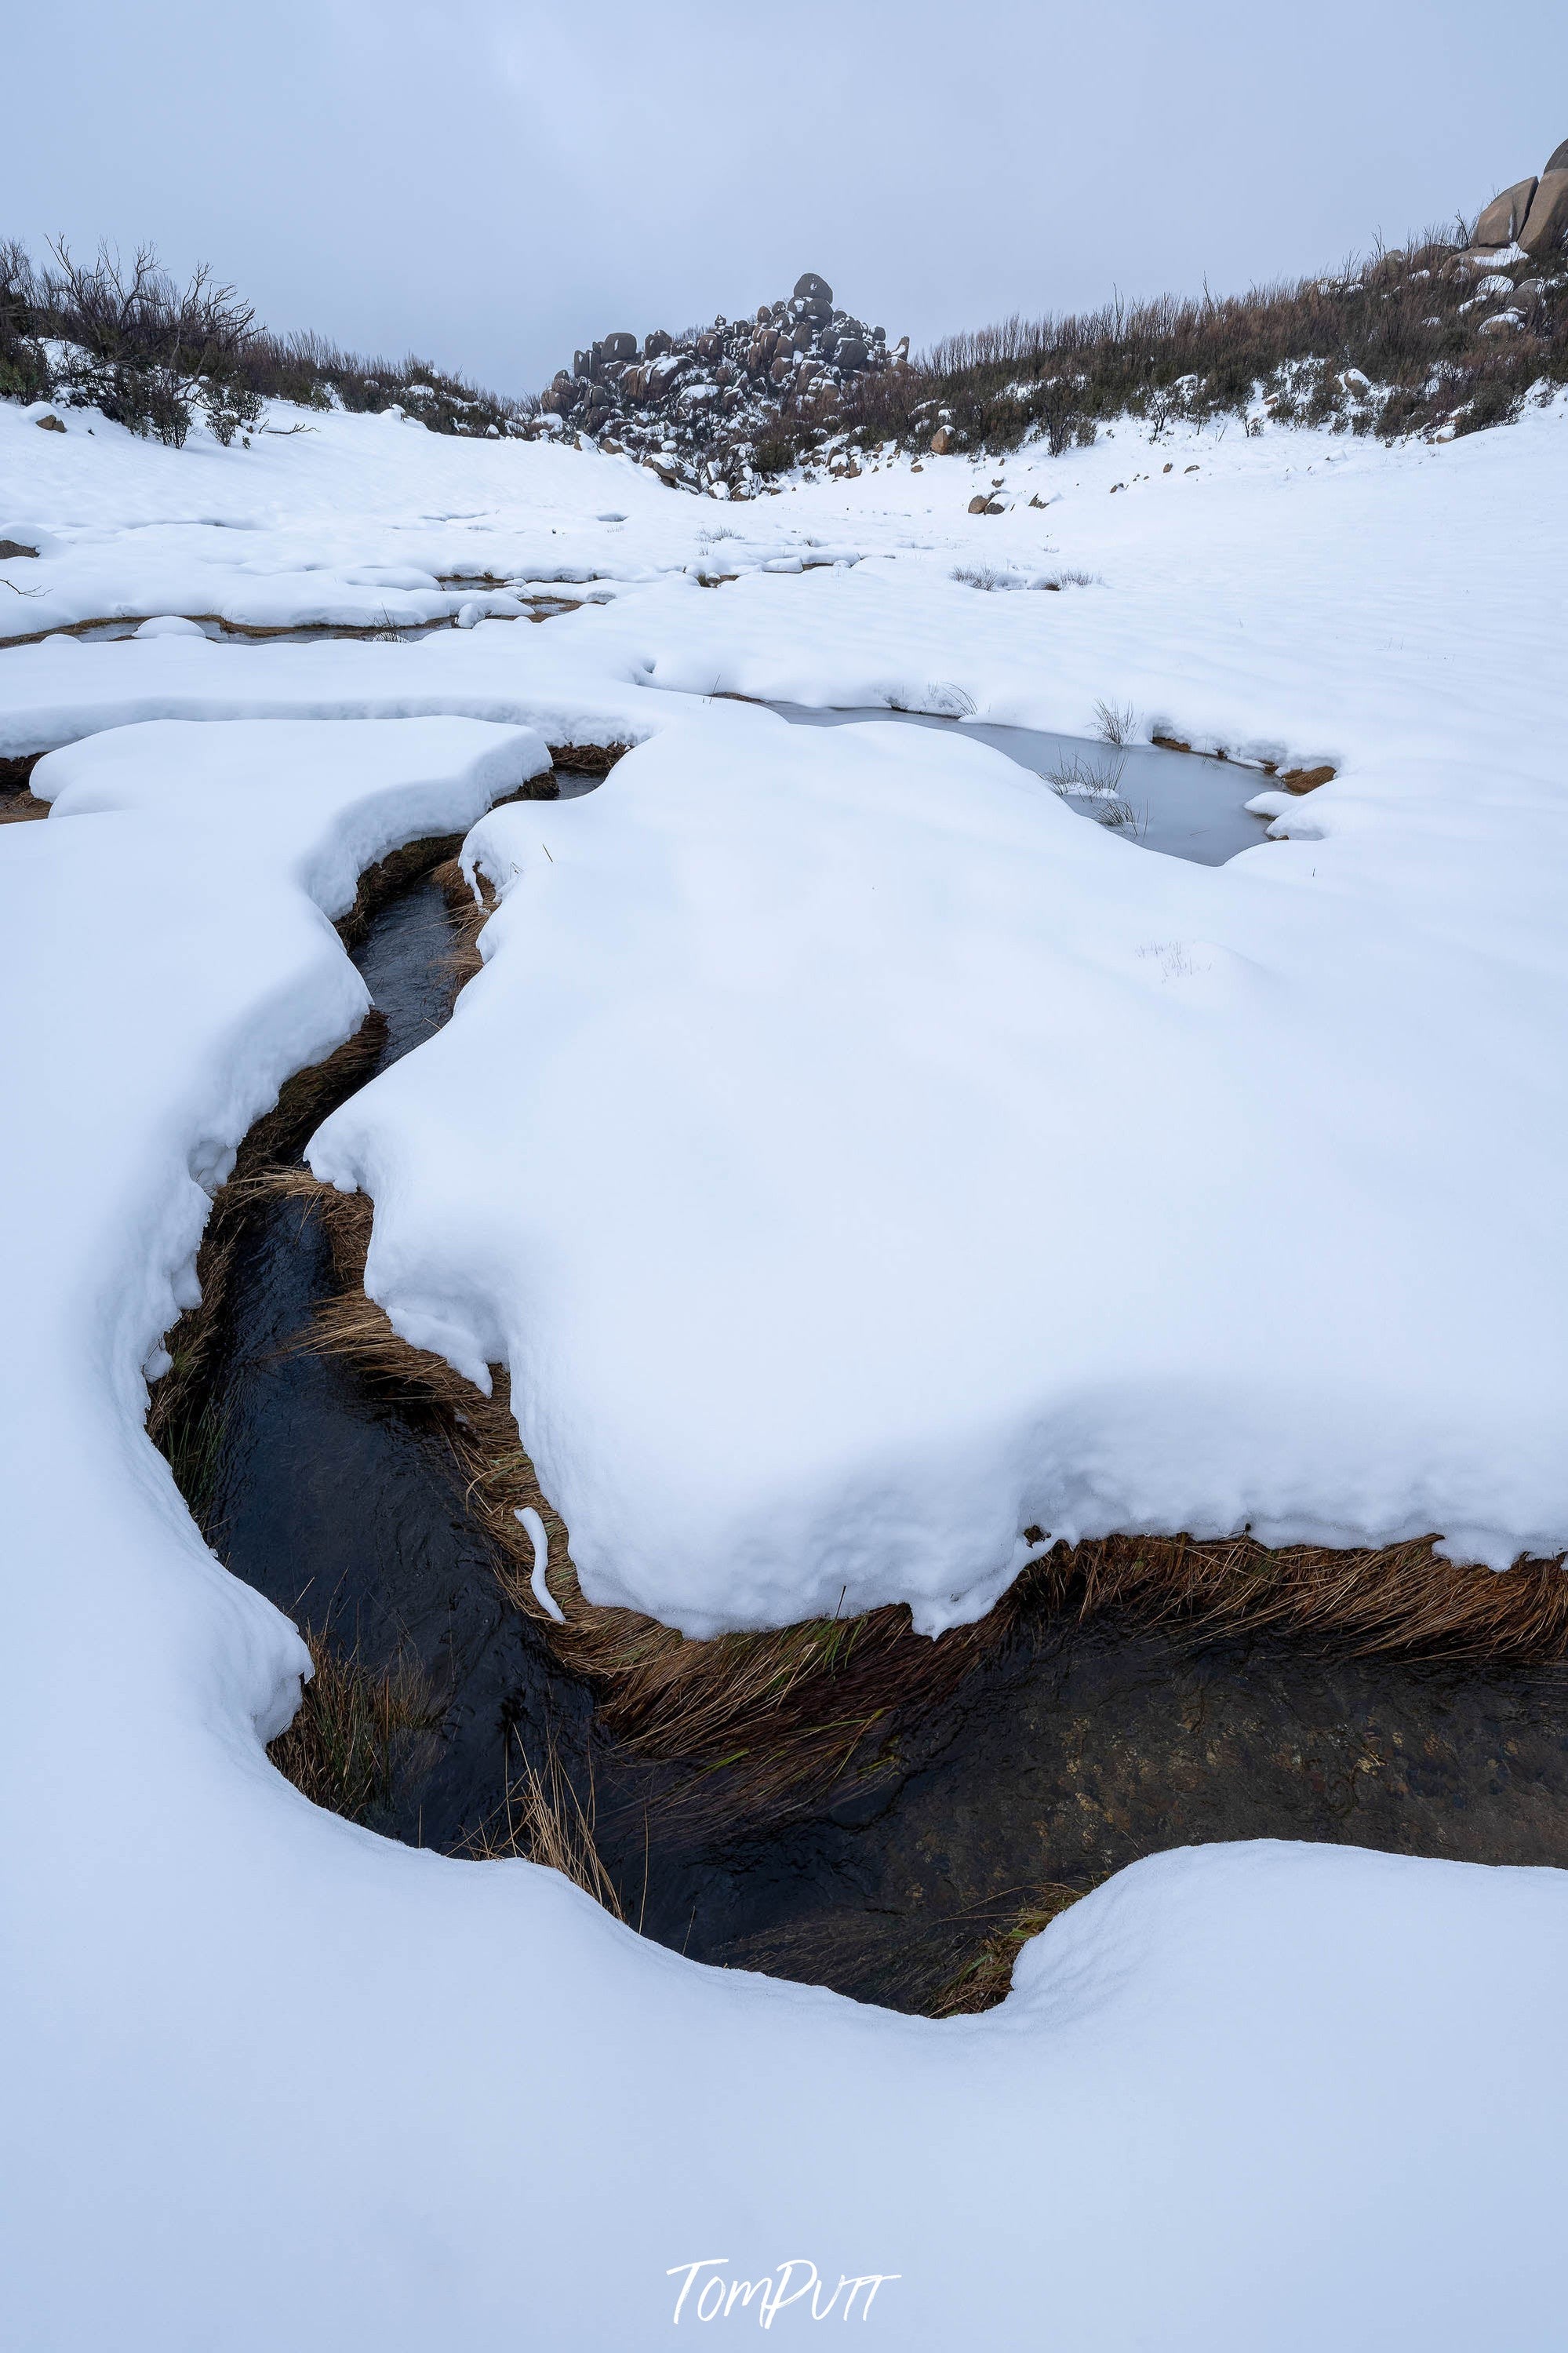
point(49, 424)
point(10, 547)
point(1505, 215)
point(941, 441)
point(1548, 222)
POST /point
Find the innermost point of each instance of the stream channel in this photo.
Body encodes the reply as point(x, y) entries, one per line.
point(1073, 1749)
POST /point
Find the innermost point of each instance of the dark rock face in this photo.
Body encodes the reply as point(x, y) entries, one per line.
point(718, 410)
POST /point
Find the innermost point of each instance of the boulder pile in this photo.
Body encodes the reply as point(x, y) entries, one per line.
point(1530, 219)
point(720, 410)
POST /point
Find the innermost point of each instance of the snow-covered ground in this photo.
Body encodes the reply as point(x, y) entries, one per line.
point(858, 1159)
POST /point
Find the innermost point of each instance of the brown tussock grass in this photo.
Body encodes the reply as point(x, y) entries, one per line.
point(542, 1819)
point(179, 1410)
point(357, 1728)
point(588, 759)
point(1393, 1601)
point(988, 1978)
point(20, 807)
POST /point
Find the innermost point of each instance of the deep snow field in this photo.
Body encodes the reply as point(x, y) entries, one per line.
point(859, 1159)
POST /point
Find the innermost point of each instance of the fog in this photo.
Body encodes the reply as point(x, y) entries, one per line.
point(493, 182)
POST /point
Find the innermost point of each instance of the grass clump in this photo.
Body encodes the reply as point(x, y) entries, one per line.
point(987, 1978)
point(542, 1819)
point(357, 1730)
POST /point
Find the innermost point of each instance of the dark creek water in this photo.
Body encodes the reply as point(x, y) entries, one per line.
point(1073, 1752)
point(1176, 802)
point(402, 633)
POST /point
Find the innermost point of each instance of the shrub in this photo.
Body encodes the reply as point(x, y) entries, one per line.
point(151, 355)
point(1383, 346)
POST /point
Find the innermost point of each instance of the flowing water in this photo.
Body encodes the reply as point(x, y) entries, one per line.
point(1076, 1749)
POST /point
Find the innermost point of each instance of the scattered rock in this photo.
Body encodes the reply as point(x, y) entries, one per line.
point(941, 441)
point(1547, 223)
point(49, 423)
point(1503, 219)
point(1299, 780)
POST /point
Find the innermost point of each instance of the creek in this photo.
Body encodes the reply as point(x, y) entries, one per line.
point(1071, 1750)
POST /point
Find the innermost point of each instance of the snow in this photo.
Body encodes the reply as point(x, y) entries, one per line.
point(851, 1151)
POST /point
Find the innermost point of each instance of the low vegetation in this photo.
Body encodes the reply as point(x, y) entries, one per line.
point(1402, 342)
point(122, 337)
point(358, 1728)
point(1417, 339)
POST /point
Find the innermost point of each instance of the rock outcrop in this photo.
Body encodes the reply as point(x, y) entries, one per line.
point(1532, 214)
point(1546, 225)
point(1505, 215)
point(721, 408)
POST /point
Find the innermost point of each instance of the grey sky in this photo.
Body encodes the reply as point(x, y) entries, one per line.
point(491, 182)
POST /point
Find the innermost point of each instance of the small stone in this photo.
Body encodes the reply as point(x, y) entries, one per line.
point(49, 424)
point(1548, 223)
point(941, 441)
point(1505, 215)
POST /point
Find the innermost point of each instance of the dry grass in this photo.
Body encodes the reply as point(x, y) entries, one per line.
point(1389, 344)
point(357, 1730)
point(20, 809)
point(542, 1819)
point(1395, 1600)
point(588, 759)
point(986, 1979)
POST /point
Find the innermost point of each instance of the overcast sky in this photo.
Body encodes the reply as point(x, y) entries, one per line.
point(493, 182)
